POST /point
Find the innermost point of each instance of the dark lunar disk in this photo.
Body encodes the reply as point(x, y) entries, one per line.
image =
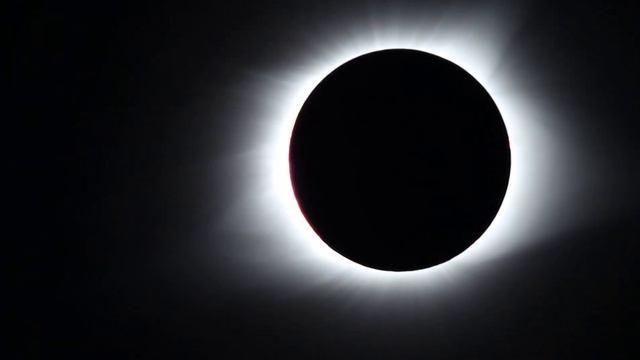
point(399, 160)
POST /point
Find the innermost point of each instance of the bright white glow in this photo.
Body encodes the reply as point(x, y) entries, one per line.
point(276, 233)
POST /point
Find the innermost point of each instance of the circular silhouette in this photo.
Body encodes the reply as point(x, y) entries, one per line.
point(399, 160)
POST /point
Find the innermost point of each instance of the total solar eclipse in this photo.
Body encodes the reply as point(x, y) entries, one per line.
point(399, 160)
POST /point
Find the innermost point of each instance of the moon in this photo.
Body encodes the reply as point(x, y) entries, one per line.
point(399, 160)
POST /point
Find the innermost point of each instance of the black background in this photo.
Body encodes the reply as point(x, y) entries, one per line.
point(123, 167)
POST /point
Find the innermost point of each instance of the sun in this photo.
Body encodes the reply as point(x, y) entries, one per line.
point(281, 233)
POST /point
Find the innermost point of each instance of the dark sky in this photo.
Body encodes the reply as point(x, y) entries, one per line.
point(128, 174)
